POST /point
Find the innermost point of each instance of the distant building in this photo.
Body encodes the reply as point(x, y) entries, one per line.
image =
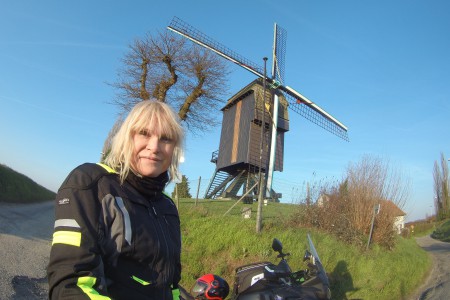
point(386, 205)
point(323, 198)
point(394, 210)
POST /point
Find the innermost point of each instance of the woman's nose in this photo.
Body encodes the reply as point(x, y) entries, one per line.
point(153, 143)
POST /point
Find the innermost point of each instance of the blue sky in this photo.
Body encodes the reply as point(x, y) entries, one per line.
point(380, 67)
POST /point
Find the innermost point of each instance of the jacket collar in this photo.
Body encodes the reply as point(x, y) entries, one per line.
point(148, 186)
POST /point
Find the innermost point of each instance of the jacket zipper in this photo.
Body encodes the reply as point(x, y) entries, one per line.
point(158, 220)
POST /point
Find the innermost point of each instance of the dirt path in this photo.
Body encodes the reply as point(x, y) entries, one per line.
point(25, 238)
point(437, 286)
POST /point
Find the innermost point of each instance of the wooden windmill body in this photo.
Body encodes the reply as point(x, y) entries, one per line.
point(240, 156)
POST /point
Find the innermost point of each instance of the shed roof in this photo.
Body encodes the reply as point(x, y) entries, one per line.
point(392, 207)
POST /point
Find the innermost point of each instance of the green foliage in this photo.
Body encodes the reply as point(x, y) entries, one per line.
point(18, 188)
point(421, 227)
point(442, 233)
point(183, 189)
point(441, 185)
point(218, 243)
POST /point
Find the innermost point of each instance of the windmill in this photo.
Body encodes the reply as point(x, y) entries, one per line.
point(235, 163)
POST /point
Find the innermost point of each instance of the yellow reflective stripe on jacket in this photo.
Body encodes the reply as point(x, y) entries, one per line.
point(67, 237)
point(141, 281)
point(86, 285)
point(107, 168)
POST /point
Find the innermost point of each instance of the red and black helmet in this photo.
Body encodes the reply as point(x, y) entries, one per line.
point(211, 287)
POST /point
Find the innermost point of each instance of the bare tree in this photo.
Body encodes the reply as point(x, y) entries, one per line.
point(166, 67)
point(370, 181)
point(441, 188)
point(346, 210)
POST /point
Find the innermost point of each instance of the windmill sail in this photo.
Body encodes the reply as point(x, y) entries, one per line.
point(279, 50)
point(297, 102)
point(278, 54)
point(179, 26)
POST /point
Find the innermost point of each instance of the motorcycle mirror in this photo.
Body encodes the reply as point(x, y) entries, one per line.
point(277, 245)
point(307, 256)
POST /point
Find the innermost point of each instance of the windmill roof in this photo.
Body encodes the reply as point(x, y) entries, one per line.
point(242, 93)
point(256, 84)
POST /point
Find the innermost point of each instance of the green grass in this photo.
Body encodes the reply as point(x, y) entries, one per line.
point(213, 243)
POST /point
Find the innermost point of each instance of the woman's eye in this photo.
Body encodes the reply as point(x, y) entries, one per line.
point(165, 139)
point(144, 132)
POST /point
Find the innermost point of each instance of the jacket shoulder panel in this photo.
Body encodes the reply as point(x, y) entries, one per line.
point(84, 176)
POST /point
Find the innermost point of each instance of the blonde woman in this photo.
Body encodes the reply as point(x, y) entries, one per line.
point(117, 235)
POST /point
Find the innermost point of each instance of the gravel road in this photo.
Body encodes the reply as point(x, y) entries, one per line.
point(437, 286)
point(25, 238)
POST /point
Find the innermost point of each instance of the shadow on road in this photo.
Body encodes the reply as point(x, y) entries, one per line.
point(29, 288)
point(25, 238)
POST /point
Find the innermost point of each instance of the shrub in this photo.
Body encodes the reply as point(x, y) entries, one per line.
point(348, 209)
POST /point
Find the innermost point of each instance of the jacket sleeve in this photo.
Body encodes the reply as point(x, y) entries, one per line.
point(75, 269)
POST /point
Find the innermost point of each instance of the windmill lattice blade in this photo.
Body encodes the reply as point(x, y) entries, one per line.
point(315, 117)
point(280, 53)
point(179, 26)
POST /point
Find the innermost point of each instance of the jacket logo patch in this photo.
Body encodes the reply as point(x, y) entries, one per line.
point(63, 201)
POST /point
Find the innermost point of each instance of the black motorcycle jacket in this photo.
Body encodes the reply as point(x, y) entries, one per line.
point(114, 241)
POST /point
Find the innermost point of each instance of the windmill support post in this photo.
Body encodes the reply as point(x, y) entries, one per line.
point(278, 52)
point(273, 145)
point(262, 183)
point(198, 189)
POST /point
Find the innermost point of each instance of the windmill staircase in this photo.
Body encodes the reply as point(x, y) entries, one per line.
point(225, 185)
point(228, 183)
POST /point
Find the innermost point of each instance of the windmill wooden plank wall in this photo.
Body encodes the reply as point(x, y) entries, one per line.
point(240, 140)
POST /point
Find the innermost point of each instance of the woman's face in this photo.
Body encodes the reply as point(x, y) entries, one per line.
point(152, 152)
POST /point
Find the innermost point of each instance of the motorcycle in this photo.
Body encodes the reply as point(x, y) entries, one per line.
point(267, 281)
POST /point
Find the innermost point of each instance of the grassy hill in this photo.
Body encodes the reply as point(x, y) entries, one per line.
point(18, 188)
point(218, 243)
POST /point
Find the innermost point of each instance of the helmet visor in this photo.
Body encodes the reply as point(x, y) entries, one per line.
point(199, 288)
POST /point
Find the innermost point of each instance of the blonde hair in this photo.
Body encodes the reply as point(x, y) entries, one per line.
point(143, 114)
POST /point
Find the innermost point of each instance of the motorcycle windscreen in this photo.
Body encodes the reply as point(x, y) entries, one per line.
point(322, 274)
